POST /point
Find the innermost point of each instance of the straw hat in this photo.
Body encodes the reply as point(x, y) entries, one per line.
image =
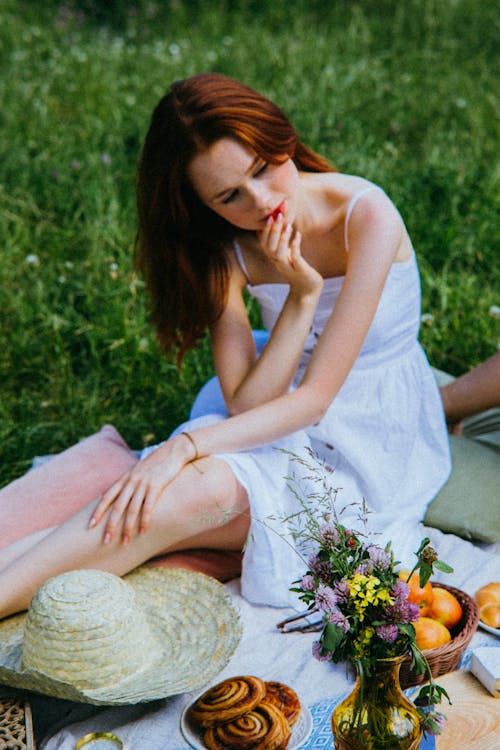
point(92, 637)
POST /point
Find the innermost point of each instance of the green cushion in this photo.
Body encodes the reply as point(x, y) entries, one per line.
point(468, 505)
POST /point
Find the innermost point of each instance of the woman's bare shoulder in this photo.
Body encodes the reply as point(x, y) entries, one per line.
point(342, 185)
point(335, 191)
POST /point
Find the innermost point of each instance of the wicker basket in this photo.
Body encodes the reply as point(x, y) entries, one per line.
point(445, 658)
point(16, 725)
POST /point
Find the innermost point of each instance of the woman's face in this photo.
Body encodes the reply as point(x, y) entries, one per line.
point(241, 187)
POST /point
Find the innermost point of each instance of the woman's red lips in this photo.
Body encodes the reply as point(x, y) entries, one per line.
point(279, 210)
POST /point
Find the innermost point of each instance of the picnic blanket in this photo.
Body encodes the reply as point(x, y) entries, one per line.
point(263, 651)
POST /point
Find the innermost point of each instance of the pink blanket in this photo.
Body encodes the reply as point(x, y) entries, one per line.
point(54, 491)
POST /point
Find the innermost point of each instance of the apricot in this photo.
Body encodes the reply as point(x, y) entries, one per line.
point(445, 607)
point(430, 633)
point(422, 596)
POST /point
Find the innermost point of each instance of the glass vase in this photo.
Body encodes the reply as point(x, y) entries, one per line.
point(377, 715)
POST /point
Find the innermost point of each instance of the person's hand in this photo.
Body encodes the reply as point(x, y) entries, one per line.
point(281, 244)
point(132, 499)
point(455, 428)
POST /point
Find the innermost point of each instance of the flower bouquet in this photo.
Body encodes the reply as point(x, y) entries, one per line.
point(354, 583)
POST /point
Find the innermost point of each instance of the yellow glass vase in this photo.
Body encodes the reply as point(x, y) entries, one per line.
point(377, 715)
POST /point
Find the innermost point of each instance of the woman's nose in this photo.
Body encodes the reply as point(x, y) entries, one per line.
point(260, 196)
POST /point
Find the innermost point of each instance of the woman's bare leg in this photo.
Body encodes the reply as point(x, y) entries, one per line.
point(19, 548)
point(204, 502)
point(48, 495)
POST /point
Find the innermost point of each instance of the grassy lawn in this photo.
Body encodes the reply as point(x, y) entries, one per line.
point(402, 93)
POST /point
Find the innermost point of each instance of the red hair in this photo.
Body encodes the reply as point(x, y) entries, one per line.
point(182, 245)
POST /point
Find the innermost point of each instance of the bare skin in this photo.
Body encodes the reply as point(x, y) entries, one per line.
point(471, 393)
point(163, 502)
point(208, 519)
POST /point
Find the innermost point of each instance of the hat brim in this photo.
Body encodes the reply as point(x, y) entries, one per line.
point(195, 625)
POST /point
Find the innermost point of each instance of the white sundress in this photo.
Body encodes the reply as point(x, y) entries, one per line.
point(384, 435)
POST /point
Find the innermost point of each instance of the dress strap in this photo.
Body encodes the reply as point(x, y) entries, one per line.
point(240, 259)
point(350, 208)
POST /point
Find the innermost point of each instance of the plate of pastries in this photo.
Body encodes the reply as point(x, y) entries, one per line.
point(246, 713)
point(488, 601)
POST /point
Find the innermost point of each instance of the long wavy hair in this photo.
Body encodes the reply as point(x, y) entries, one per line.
point(182, 245)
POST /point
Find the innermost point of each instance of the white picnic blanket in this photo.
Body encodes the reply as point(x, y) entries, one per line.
point(266, 652)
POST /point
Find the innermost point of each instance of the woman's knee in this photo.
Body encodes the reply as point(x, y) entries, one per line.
point(210, 505)
point(210, 492)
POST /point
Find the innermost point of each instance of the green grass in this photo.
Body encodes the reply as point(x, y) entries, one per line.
point(400, 92)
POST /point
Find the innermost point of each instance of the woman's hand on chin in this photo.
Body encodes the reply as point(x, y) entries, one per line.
point(130, 501)
point(281, 244)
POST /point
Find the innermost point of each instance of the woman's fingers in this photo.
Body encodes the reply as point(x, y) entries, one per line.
point(294, 252)
point(138, 512)
point(283, 250)
point(118, 508)
point(295, 246)
point(107, 500)
point(264, 234)
point(275, 239)
point(282, 244)
point(287, 251)
point(132, 513)
point(130, 506)
point(147, 509)
point(129, 502)
point(271, 234)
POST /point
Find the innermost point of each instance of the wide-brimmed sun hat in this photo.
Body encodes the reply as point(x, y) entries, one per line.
point(93, 637)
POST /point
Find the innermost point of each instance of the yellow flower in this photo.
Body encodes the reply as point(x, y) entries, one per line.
point(362, 642)
point(366, 590)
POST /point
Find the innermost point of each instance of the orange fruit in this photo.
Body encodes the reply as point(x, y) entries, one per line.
point(430, 633)
point(445, 607)
point(422, 596)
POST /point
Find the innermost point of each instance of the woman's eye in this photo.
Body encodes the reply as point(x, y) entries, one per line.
point(230, 197)
point(261, 169)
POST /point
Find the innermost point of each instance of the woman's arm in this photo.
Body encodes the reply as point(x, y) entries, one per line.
point(375, 234)
point(246, 381)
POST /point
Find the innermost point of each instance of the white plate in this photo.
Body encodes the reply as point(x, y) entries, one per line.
point(493, 631)
point(301, 730)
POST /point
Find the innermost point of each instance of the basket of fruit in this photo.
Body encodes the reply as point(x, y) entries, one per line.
point(448, 620)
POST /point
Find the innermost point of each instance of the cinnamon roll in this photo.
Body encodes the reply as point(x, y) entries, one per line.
point(284, 698)
point(262, 728)
point(227, 700)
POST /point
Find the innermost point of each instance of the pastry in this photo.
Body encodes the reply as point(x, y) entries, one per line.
point(227, 700)
point(284, 698)
point(488, 600)
point(262, 728)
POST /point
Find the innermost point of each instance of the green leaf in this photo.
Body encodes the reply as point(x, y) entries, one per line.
point(407, 628)
point(331, 637)
point(425, 573)
point(433, 693)
point(418, 659)
point(423, 544)
point(443, 567)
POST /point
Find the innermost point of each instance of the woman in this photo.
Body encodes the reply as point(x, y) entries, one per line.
point(229, 199)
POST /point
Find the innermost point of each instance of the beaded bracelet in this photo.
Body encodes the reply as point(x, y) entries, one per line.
point(191, 440)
